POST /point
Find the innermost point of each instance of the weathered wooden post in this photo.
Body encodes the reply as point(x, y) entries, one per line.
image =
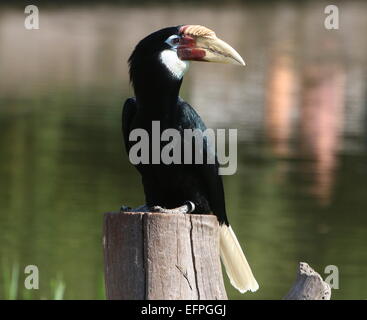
point(162, 256)
point(308, 285)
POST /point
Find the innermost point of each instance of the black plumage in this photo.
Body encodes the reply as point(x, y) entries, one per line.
point(157, 99)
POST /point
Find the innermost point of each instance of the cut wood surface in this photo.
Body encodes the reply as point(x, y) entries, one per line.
point(162, 256)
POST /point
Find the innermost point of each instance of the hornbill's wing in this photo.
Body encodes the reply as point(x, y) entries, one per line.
point(128, 114)
point(189, 119)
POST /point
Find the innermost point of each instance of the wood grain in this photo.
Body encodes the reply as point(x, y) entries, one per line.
point(162, 256)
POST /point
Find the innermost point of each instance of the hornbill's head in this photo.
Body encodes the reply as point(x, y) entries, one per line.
point(167, 52)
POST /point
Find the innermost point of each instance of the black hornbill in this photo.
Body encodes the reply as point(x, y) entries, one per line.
point(157, 66)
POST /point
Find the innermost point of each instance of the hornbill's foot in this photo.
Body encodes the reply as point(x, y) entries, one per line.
point(125, 209)
point(188, 207)
point(143, 208)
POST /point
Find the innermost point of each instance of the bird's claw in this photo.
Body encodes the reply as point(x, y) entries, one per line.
point(187, 207)
point(143, 208)
point(158, 209)
point(125, 209)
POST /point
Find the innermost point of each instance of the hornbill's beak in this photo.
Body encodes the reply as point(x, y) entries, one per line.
point(201, 44)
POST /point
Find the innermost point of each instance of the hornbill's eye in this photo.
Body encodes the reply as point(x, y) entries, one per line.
point(173, 40)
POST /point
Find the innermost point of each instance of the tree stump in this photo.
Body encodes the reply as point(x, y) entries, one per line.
point(162, 256)
point(308, 285)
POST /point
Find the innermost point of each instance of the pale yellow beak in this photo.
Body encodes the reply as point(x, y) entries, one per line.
point(201, 44)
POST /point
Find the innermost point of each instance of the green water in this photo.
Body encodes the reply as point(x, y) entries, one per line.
point(300, 191)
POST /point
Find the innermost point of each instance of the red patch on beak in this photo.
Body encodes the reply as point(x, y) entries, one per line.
point(190, 54)
point(187, 50)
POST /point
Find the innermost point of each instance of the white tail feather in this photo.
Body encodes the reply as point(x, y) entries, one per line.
point(235, 263)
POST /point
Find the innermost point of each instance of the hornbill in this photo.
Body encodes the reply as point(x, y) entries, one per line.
point(157, 66)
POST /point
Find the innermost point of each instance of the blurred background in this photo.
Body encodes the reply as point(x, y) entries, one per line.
point(300, 191)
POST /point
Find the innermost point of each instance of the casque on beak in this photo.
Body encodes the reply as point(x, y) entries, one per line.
point(201, 44)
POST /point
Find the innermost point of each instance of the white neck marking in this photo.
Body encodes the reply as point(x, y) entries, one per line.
point(176, 66)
